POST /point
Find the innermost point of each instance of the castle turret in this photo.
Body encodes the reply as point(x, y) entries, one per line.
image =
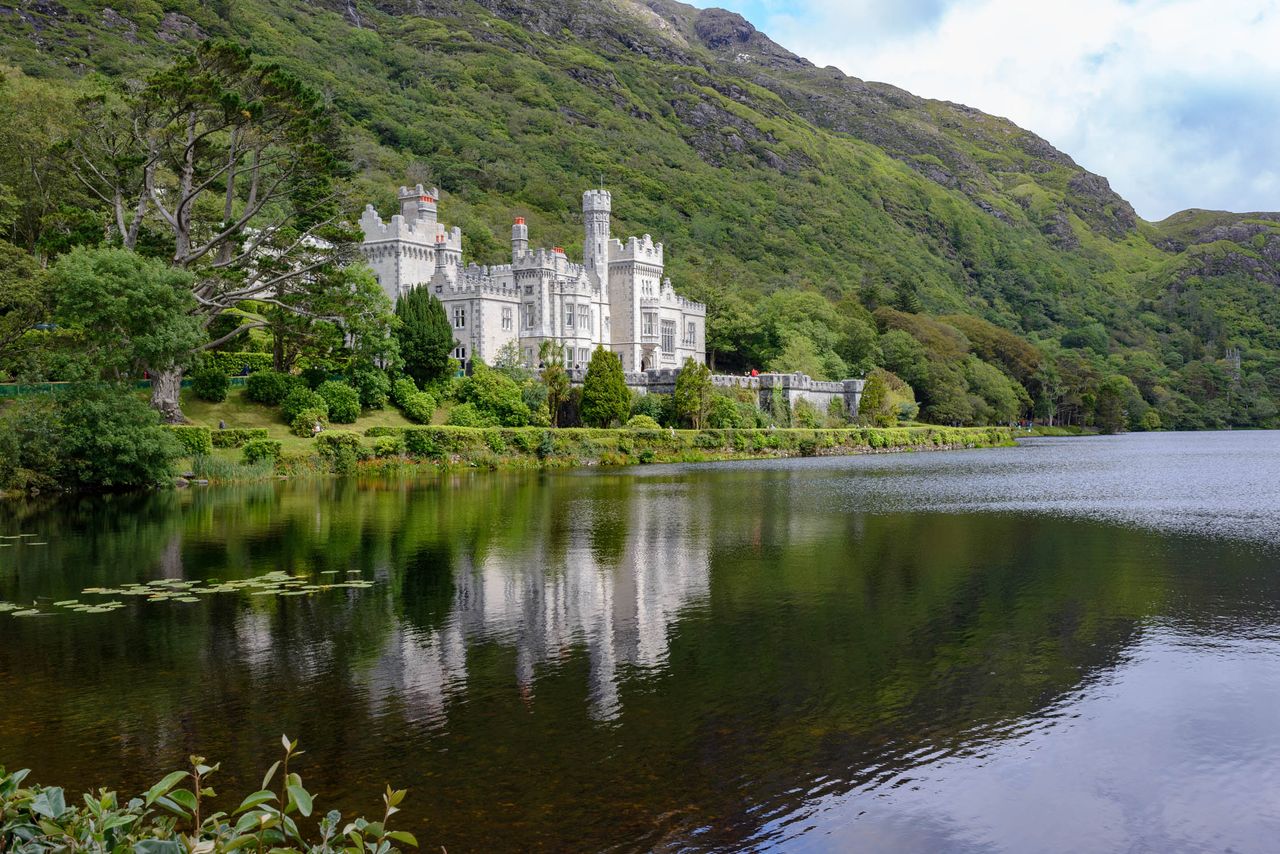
point(519, 237)
point(417, 203)
point(596, 207)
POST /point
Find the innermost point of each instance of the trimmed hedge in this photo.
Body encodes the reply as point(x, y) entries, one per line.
point(210, 384)
point(571, 445)
point(234, 364)
point(237, 437)
point(193, 439)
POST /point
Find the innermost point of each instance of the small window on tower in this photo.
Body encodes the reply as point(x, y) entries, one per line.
point(459, 317)
point(506, 317)
point(568, 317)
point(528, 315)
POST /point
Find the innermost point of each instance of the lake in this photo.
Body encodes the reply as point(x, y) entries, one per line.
point(1072, 645)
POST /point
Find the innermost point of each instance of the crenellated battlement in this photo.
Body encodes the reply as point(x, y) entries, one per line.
point(636, 249)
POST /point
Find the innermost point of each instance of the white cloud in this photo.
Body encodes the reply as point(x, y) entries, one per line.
point(1176, 101)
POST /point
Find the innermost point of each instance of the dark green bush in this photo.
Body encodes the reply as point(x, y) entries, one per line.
point(402, 389)
point(808, 447)
point(236, 437)
point(341, 448)
point(422, 442)
point(372, 384)
point(257, 450)
point(211, 384)
point(380, 430)
point(342, 400)
point(419, 407)
point(90, 436)
point(193, 440)
point(270, 387)
point(300, 400)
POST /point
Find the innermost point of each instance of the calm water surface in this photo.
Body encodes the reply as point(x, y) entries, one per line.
point(1073, 645)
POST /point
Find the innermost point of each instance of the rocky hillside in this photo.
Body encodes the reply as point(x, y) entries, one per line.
point(771, 181)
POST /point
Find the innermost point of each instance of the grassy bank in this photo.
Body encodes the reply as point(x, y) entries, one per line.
point(388, 449)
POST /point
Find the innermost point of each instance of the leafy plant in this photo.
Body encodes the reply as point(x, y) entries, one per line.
point(175, 816)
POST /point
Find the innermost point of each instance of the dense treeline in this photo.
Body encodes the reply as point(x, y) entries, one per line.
point(815, 250)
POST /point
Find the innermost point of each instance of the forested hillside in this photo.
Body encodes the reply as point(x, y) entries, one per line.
point(832, 225)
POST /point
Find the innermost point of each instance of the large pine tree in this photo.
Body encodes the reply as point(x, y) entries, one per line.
point(605, 398)
point(425, 336)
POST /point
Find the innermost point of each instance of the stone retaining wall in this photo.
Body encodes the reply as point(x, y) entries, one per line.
point(795, 387)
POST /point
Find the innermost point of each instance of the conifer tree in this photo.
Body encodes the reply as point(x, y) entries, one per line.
point(605, 398)
point(424, 335)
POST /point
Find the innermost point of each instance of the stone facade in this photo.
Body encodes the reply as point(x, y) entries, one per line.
point(617, 297)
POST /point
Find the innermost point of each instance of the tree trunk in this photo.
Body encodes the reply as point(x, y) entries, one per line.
point(166, 385)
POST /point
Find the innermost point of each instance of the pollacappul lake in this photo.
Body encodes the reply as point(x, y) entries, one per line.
point(1071, 645)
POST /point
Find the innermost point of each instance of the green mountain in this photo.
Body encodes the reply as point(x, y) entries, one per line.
point(832, 224)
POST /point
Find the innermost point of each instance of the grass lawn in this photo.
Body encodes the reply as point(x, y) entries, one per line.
point(239, 411)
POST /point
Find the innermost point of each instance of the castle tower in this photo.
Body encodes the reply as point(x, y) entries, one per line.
point(596, 207)
point(419, 204)
point(519, 237)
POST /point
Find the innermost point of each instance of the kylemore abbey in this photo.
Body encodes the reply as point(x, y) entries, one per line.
point(617, 297)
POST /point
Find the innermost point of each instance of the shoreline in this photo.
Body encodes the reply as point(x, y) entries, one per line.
point(394, 451)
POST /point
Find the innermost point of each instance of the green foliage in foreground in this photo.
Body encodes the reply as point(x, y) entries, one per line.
point(176, 816)
point(89, 436)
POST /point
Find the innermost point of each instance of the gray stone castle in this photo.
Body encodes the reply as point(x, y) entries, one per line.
point(617, 297)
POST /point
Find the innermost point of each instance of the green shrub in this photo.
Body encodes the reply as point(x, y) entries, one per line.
point(372, 384)
point(88, 436)
point(805, 414)
point(724, 413)
point(301, 399)
point(270, 387)
point(642, 422)
point(343, 401)
point(210, 384)
point(493, 438)
point(402, 389)
point(194, 440)
point(235, 437)
point(304, 423)
point(389, 446)
point(647, 456)
point(341, 449)
point(467, 415)
point(422, 442)
point(382, 430)
point(257, 450)
point(419, 407)
point(495, 398)
point(808, 447)
point(708, 439)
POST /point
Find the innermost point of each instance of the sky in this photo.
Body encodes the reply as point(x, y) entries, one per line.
point(1177, 102)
